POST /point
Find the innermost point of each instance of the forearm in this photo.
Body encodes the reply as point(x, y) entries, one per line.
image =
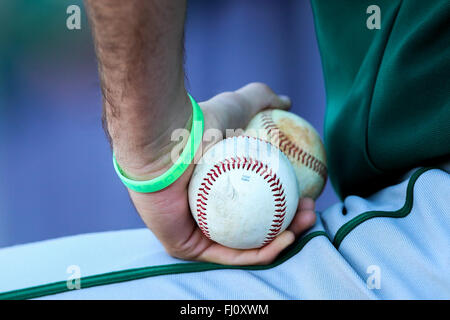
point(139, 46)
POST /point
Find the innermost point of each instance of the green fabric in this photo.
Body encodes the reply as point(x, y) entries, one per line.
point(388, 106)
point(400, 213)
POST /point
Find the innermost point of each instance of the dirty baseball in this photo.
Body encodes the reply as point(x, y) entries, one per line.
point(243, 193)
point(301, 143)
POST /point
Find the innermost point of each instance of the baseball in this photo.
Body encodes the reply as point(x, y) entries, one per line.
point(243, 193)
point(299, 141)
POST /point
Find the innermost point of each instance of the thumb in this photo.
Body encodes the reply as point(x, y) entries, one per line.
point(259, 96)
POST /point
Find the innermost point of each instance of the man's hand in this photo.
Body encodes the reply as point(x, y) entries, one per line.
point(167, 212)
point(139, 47)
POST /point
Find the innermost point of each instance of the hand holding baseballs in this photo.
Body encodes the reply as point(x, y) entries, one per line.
point(167, 212)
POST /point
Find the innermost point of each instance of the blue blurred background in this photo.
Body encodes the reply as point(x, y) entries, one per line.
point(56, 174)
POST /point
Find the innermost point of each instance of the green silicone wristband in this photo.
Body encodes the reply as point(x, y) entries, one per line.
point(179, 167)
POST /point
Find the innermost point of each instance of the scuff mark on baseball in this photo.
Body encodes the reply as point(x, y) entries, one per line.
point(299, 141)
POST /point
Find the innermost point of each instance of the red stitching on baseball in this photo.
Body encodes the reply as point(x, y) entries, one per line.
point(262, 170)
point(207, 180)
point(291, 149)
point(206, 187)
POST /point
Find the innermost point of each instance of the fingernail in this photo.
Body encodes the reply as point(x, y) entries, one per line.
point(285, 99)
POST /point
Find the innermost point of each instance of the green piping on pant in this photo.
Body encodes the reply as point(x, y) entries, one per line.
point(145, 272)
point(401, 213)
point(178, 268)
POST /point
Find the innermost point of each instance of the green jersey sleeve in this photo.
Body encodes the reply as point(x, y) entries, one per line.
point(387, 86)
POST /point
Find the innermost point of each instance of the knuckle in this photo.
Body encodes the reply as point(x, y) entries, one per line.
point(179, 252)
point(175, 253)
point(226, 95)
point(260, 87)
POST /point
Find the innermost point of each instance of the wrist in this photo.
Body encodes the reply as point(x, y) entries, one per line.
point(147, 154)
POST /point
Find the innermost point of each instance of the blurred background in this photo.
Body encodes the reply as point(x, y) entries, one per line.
point(56, 173)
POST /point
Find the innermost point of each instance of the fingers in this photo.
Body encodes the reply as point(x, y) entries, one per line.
point(260, 96)
point(217, 253)
point(304, 218)
point(233, 110)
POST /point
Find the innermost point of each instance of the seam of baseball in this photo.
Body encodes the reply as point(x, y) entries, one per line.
point(249, 164)
point(291, 149)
